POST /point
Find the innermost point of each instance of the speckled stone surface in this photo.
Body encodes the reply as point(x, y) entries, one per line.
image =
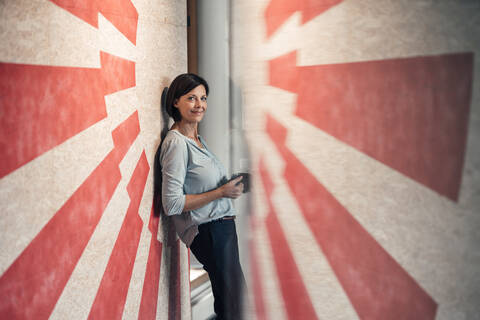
point(39, 32)
point(433, 238)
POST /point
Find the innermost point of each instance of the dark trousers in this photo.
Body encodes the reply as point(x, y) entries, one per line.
point(216, 247)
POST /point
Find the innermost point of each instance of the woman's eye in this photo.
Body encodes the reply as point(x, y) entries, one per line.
point(204, 98)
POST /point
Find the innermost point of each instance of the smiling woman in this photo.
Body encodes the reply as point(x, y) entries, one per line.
point(193, 105)
point(194, 192)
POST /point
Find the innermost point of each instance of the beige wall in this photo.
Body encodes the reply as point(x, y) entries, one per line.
point(80, 107)
point(346, 224)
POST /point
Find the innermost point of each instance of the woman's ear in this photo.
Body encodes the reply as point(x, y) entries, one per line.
point(175, 102)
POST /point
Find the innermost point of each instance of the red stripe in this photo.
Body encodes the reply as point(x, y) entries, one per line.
point(117, 73)
point(278, 11)
point(112, 293)
point(121, 13)
point(377, 286)
point(312, 8)
point(174, 301)
point(44, 106)
point(148, 304)
point(33, 283)
point(411, 114)
point(295, 296)
point(256, 277)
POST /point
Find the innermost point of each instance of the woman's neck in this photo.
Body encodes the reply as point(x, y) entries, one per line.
point(189, 130)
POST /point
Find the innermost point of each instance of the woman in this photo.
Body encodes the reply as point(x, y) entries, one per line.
point(195, 196)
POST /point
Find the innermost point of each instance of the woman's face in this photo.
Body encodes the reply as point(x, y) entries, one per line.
point(192, 106)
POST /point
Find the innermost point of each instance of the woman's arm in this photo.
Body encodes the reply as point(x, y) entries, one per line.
point(174, 158)
point(228, 190)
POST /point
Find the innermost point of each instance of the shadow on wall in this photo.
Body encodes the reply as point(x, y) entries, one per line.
point(169, 238)
point(167, 226)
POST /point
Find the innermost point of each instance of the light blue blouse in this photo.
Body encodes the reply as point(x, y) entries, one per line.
point(189, 169)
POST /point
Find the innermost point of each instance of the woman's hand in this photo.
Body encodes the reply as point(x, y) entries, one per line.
point(228, 190)
point(231, 189)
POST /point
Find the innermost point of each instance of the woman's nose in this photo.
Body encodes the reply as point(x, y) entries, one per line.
point(198, 102)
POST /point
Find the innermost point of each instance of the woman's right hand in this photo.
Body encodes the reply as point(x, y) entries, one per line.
point(231, 189)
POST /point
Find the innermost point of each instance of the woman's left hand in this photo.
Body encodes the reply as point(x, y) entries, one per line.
point(233, 189)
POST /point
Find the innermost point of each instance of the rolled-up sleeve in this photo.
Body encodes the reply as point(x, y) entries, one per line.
point(174, 161)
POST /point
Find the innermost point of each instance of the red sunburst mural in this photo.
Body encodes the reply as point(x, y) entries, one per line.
point(410, 114)
point(43, 107)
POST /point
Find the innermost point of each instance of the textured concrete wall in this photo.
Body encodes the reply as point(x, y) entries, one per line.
point(363, 119)
point(80, 86)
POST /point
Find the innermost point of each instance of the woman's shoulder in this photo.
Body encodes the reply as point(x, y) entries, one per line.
point(174, 136)
point(173, 139)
